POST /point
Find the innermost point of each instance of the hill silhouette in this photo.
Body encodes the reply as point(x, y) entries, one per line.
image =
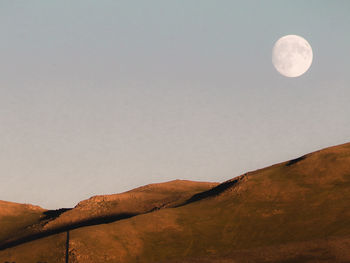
point(295, 211)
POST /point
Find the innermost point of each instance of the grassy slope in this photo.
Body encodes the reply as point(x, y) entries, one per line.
point(18, 221)
point(283, 213)
point(136, 201)
point(15, 218)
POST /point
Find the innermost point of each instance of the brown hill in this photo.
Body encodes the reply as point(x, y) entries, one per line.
point(37, 222)
point(14, 218)
point(137, 201)
point(296, 211)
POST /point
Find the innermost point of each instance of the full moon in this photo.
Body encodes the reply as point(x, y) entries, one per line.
point(292, 56)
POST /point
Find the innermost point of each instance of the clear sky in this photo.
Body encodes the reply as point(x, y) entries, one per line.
point(98, 97)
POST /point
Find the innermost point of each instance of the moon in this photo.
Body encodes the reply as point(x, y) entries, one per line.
point(292, 56)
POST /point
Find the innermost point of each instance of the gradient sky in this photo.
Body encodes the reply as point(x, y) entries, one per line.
point(98, 97)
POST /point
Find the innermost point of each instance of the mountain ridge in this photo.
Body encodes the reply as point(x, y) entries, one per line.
point(296, 210)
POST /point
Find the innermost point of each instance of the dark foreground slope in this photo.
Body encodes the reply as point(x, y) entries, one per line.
point(21, 223)
point(15, 218)
point(297, 211)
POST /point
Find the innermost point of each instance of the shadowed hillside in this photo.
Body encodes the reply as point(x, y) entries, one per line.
point(296, 211)
point(24, 226)
point(15, 218)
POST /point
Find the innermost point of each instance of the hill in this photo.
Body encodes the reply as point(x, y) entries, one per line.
point(15, 218)
point(295, 211)
point(23, 223)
